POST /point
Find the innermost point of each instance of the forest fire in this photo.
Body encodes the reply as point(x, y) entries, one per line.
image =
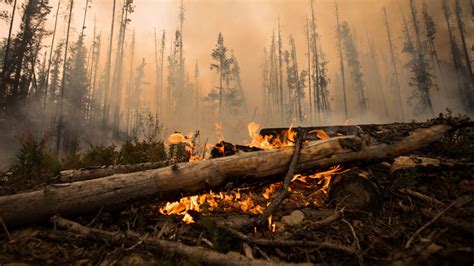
point(314, 135)
point(311, 189)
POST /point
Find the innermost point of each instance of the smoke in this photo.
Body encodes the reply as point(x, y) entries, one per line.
point(247, 26)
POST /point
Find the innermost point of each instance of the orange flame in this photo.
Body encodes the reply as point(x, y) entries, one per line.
point(248, 203)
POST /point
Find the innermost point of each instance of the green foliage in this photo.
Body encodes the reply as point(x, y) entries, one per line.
point(34, 162)
point(100, 155)
point(72, 160)
point(134, 151)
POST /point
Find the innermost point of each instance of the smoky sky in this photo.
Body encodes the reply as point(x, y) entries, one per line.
point(247, 26)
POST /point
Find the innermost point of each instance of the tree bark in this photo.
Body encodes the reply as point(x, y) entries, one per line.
point(83, 174)
point(167, 183)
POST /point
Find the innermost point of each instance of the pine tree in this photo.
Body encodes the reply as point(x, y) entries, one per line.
point(418, 65)
point(238, 84)
point(430, 35)
point(19, 65)
point(77, 84)
point(54, 87)
point(295, 84)
point(222, 66)
point(462, 31)
point(353, 62)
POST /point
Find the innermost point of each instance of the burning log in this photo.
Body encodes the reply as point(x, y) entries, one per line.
point(116, 191)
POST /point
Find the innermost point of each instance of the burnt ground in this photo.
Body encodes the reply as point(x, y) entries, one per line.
point(381, 220)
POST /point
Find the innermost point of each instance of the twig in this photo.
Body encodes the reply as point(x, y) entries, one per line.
point(139, 242)
point(289, 243)
point(204, 149)
point(356, 241)
point(261, 252)
point(441, 213)
point(421, 196)
point(162, 230)
point(286, 183)
point(452, 222)
point(96, 216)
point(6, 229)
point(320, 223)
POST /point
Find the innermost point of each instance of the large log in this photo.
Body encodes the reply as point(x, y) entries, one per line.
point(167, 183)
point(67, 176)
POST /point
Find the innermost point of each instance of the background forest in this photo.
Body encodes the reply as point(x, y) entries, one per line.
point(81, 78)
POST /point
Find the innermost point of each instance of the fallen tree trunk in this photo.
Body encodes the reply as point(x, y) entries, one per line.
point(167, 183)
point(68, 176)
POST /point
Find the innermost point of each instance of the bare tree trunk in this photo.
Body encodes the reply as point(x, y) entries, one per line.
point(157, 84)
point(341, 61)
point(314, 45)
point(310, 78)
point(108, 66)
point(63, 83)
point(130, 84)
point(162, 51)
point(3, 84)
point(117, 79)
point(49, 60)
point(84, 18)
point(377, 75)
point(280, 75)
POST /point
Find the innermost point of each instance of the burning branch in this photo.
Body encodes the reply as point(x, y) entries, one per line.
point(286, 183)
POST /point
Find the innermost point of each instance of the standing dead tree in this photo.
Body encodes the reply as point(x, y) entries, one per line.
point(341, 60)
point(394, 67)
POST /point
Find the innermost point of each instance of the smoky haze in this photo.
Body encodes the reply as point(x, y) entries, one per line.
point(247, 27)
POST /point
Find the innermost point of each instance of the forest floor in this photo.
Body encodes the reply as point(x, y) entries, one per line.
point(421, 215)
